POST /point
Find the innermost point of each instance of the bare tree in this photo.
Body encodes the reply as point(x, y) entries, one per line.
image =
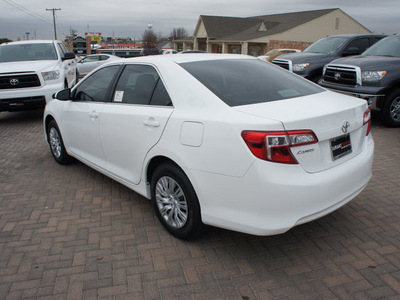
point(149, 38)
point(178, 33)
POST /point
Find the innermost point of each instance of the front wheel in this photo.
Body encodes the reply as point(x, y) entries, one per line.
point(175, 202)
point(391, 110)
point(56, 143)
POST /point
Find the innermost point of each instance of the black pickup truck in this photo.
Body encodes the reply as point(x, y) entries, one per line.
point(312, 60)
point(374, 76)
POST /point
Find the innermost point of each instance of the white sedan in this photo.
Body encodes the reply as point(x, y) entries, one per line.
point(224, 140)
point(91, 62)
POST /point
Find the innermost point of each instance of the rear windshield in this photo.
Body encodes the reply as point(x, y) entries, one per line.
point(389, 46)
point(249, 81)
point(27, 52)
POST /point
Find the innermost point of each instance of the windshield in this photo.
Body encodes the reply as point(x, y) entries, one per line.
point(27, 52)
point(326, 45)
point(389, 46)
point(248, 81)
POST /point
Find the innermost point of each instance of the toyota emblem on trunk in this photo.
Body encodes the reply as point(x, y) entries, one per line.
point(345, 126)
point(14, 81)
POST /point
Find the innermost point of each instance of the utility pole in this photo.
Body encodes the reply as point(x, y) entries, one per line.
point(54, 19)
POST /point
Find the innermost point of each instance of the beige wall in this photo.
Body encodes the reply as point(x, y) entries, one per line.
point(318, 28)
point(201, 30)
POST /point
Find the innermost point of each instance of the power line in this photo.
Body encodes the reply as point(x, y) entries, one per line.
point(27, 11)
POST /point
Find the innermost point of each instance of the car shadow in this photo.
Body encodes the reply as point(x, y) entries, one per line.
point(21, 116)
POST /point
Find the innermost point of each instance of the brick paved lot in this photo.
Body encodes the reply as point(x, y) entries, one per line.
point(68, 232)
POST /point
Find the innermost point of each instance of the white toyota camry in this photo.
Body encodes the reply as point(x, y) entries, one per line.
point(223, 140)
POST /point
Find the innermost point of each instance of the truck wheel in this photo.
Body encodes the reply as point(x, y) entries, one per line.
point(391, 110)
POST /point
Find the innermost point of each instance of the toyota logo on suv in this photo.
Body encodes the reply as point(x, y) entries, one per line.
point(14, 81)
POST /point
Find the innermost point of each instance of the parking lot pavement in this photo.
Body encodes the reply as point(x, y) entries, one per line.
point(68, 232)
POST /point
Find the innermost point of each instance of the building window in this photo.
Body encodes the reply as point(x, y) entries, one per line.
point(337, 24)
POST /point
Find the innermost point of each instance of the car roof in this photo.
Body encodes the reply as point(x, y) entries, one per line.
point(187, 58)
point(32, 42)
point(350, 35)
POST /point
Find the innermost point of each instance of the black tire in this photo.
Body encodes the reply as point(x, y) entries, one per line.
point(390, 113)
point(173, 197)
point(56, 144)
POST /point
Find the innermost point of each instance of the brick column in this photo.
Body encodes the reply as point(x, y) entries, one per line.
point(88, 46)
point(70, 43)
point(245, 48)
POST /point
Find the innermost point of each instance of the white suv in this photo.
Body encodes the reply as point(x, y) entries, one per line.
point(31, 72)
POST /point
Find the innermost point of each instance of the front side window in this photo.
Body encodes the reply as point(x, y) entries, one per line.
point(141, 84)
point(62, 49)
point(95, 87)
point(248, 81)
point(360, 44)
point(27, 52)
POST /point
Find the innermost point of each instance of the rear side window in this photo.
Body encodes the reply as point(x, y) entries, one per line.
point(140, 84)
point(248, 81)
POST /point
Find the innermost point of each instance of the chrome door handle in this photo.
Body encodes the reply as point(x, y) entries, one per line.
point(151, 123)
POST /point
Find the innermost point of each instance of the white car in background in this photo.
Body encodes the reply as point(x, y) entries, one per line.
point(169, 51)
point(88, 63)
point(218, 139)
point(31, 72)
point(277, 52)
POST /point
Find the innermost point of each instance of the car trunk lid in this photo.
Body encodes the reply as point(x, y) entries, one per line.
point(336, 120)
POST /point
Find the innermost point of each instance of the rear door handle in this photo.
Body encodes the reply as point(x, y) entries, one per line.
point(93, 115)
point(151, 123)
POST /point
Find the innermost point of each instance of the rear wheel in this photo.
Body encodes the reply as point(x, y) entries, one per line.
point(56, 143)
point(175, 202)
point(391, 110)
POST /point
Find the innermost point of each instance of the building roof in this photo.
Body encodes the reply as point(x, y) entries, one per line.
point(231, 28)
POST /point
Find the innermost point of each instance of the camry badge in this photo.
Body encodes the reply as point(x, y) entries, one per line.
point(14, 81)
point(345, 126)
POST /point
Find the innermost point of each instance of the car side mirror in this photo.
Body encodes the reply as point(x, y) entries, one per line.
point(68, 55)
point(351, 51)
point(64, 95)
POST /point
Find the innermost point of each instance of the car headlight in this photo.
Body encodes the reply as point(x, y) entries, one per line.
point(51, 75)
point(300, 67)
point(371, 76)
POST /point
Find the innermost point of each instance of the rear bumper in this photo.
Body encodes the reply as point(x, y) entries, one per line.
point(272, 198)
point(28, 98)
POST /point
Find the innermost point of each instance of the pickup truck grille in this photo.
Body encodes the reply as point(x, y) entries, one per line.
point(341, 75)
point(282, 63)
point(18, 81)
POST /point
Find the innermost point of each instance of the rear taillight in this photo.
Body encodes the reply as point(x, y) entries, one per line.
point(367, 120)
point(275, 145)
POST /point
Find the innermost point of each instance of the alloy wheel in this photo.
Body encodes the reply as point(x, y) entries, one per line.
point(395, 109)
point(55, 142)
point(171, 202)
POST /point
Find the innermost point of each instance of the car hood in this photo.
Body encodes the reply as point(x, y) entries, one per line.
point(28, 66)
point(305, 57)
point(369, 62)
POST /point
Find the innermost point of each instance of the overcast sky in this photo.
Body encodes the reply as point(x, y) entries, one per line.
point(129, 18)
